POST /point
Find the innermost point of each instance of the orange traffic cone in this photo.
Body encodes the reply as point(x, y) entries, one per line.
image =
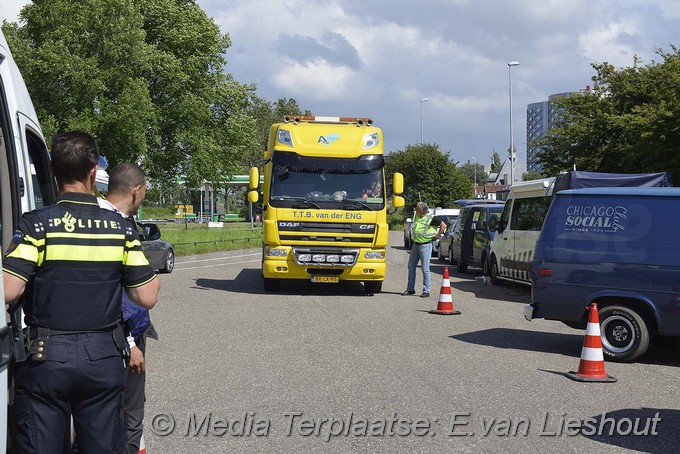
point(445, 304)
point(591, 366)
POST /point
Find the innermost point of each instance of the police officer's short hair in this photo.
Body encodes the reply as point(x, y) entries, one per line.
point(422, 206)
point(124, 177)
point(74, 154)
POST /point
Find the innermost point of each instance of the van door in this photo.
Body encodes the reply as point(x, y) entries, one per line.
point(526, 222)
point(480, 236)
point(5, 352)
point(504, 241)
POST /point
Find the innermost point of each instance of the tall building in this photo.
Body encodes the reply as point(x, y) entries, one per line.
point(541, 117)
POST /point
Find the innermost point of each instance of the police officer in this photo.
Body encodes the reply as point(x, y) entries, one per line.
point(426, 228)
point(126, 192)
point(68, 262)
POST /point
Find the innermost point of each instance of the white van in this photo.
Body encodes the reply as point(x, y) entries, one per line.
point(26, 181)
point(518, 229)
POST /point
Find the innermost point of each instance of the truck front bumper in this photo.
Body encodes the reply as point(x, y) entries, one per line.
point(277, 268)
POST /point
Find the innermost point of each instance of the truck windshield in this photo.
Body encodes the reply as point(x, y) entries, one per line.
point(328, 187)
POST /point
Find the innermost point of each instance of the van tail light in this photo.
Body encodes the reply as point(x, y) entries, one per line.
point(544, 272)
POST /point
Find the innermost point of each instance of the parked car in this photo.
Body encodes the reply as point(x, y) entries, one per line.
point(443, 251)
point(448, 215)
point(614, 247)
point(471, 239)
point(158, 252)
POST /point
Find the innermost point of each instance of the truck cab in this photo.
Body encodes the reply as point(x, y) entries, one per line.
point(324, 202)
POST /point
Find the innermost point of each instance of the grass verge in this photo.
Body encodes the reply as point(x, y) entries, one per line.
point(191, 238)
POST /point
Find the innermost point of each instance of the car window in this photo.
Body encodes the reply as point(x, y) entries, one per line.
point(529, 213)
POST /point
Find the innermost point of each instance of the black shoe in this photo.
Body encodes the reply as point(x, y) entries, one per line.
point(408, 292)
point(425, 295)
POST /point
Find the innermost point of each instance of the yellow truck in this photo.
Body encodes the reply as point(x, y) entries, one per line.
point(324, 202)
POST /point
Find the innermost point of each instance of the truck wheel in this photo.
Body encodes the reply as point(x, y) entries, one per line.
point(271, 285)
point(461, 267)
point(373, 286)
point(494, 272)
point(625, 336)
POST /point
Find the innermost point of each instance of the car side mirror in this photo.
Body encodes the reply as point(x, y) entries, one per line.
point(152, 232)
point(494, 225)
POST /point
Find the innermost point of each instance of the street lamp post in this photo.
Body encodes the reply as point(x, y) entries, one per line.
point(474, 194)
point(512, 139)
point(421, 118)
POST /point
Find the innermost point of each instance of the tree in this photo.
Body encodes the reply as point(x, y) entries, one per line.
point(496, 163)
point(627, 124)
point(430, 176)
point(475, 172)
point(265, 115)
point(145, 77)
point(531, 175)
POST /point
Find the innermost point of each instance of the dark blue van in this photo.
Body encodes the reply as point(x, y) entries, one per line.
point(615, 247)
point(471, 236)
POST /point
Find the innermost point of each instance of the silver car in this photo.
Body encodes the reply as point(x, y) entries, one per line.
point(159, 253)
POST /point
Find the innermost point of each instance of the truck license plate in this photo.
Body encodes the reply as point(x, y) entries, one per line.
point(325, 279)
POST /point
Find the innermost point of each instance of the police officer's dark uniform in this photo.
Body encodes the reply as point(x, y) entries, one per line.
point(74, 257)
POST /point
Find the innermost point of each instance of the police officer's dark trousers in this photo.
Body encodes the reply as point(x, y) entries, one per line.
point(81, 374)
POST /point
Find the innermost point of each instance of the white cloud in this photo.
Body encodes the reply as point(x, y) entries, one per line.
point(315, 80)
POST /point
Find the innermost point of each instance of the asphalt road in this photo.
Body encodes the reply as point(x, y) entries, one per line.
point(324, 368)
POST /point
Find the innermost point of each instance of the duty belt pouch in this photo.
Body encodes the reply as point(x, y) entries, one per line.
point(121, 342)
point(18, 350)
point(37, 348)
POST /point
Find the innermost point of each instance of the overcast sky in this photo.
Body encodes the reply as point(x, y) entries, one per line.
point(379, 58)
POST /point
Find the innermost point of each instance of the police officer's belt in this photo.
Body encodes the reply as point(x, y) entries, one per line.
point(38, 339)
point(39, 331)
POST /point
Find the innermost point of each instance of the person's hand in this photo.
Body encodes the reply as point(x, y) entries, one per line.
point(137, 364)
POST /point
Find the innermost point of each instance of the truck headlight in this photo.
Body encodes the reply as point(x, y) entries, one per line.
point(305, 257)
point(347, 259)
point(371, 140)
point(285, 138)
point(277, 253)
point(333, 258)
point(319, 258)
point(374, 255)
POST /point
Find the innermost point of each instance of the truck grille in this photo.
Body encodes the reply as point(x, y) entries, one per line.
point(326, 231)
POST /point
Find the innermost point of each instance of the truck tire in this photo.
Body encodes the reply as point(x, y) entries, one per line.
point(625, 336)
point(495, 280)
point(270, 285)
point(372, 286)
